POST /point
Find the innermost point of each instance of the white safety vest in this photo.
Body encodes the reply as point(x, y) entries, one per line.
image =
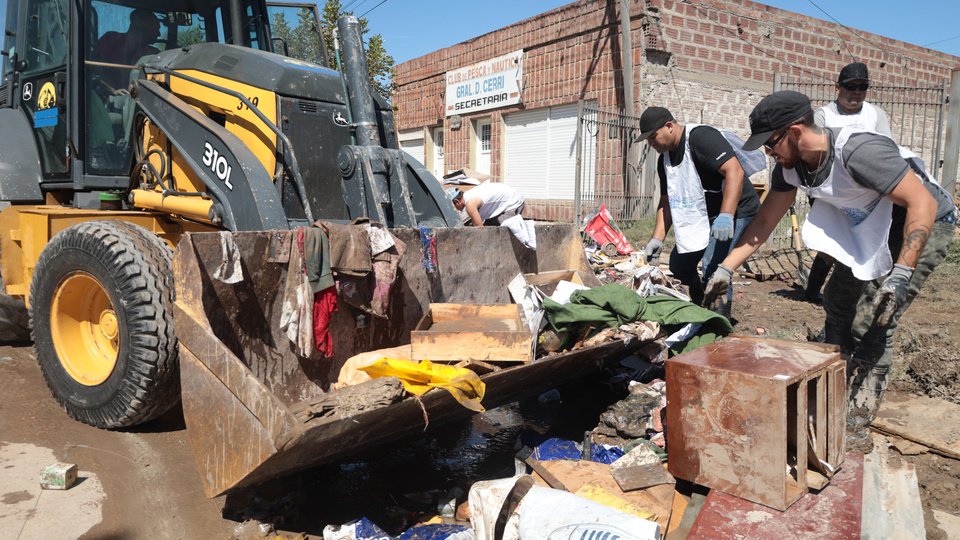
point(866, 118)
point(688, 205)
point(850, 222)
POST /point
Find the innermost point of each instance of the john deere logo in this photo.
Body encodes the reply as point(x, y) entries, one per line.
point(47, 98)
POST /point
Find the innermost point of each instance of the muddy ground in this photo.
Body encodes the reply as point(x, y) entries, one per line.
point(926, 357)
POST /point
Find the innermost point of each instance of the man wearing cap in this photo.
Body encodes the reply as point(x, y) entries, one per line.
point(490, 203)
point(850, 108)
point(704, 196)
point(882, 217)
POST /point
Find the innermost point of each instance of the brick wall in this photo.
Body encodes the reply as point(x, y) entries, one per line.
point(709, 62)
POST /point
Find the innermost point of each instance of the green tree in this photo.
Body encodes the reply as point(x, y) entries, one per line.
point(379, 62)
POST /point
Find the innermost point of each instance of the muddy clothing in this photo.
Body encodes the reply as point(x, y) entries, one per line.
point(710, 151)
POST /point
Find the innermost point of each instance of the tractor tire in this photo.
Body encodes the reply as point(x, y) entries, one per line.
point(101, 307)
point(14, 319)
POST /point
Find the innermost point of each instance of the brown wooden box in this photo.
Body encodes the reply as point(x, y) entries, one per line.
point(487, 332)
point(745, 415)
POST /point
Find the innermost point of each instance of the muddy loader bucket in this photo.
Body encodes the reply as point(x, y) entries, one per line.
point(255, 409)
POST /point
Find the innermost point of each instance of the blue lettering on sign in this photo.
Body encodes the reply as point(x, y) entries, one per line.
point(493, 83)
point(464, 91)
point(45, 118)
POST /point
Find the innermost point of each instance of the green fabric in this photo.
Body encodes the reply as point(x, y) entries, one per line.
point(613, 305)
point(316, 250)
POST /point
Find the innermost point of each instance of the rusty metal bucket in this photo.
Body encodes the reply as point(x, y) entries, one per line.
point(256, 410)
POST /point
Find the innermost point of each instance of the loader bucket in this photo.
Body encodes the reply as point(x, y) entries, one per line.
point(256, 410)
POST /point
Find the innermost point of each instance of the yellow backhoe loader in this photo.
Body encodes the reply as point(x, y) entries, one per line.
point(145, 142)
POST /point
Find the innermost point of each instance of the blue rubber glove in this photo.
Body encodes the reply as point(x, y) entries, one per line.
point(892, 294)
point(722, 228)
point(653, 250)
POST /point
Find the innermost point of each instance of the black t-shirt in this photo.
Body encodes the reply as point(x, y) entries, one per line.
point(710, 151)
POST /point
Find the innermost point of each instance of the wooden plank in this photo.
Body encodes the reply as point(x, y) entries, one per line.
point(454, 332)
point(837, 416)
point(575, 474)
point(934, 423)
point(448, 312)
point(834, 513)
point(891, 495)
point(680, 503)
point(642, 476)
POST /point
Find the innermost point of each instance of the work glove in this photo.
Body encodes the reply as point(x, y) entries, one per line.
point(722, 228)
point(892, 294)
point(717, 287)
point(653, 250)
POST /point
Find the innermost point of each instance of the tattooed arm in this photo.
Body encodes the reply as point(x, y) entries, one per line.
point(921, 212)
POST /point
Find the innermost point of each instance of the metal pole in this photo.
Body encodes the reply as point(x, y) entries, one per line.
point(577, 173)
point(935, 164)
point(952, 148)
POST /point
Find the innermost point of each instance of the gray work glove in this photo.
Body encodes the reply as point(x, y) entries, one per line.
point(722, 228)
point(717, 286)
point(653, 249)
point(892, 294)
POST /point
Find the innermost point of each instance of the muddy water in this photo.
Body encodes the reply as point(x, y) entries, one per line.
point(395, 485)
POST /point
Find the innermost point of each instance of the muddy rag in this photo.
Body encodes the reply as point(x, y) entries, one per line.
point(230, 271)
point(428, 249)
point(296, 311)
point(614, 305)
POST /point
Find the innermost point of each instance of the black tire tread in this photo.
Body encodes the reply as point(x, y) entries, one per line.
point(141, 263)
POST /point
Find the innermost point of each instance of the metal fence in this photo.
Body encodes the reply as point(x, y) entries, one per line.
point(611, 166)
point(916, 117)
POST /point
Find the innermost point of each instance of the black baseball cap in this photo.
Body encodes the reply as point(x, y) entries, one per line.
point(779, 109)
point(856, 71)
point(652, 119)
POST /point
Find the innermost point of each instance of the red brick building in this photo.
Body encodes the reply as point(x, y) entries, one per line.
point(708, 62)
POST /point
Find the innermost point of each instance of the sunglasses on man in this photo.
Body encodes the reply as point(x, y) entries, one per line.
point(856, 87)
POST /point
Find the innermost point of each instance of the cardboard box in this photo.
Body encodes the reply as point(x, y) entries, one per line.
point(547, 281)
point(485, 332)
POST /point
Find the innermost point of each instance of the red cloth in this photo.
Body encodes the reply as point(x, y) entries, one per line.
point(324, 304)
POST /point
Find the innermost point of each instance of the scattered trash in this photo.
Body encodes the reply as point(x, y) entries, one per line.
point(361, 529)
point(540, 512)
point(602, 230)
point(58, 476)
point(641, 476)
point(435, 531)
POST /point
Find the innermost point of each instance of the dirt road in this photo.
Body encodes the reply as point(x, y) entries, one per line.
point(135, 484)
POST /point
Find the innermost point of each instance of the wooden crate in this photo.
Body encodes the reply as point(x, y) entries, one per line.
point(739, 412)
point(486, 332)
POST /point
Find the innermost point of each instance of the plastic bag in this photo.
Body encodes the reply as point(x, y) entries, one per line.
point(752, 161)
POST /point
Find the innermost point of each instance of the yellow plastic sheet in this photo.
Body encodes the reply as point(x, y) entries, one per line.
point(464, 385)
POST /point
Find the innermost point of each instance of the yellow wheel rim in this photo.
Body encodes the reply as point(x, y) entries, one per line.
point(85, 329)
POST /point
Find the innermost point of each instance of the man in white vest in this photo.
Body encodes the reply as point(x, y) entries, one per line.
point(883, 218)
point(850, 108)
point(704, 196)
point(490, 203)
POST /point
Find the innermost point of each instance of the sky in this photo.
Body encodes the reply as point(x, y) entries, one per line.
point(413, 28)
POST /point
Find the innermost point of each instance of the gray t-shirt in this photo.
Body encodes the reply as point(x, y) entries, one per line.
point(873, 161)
